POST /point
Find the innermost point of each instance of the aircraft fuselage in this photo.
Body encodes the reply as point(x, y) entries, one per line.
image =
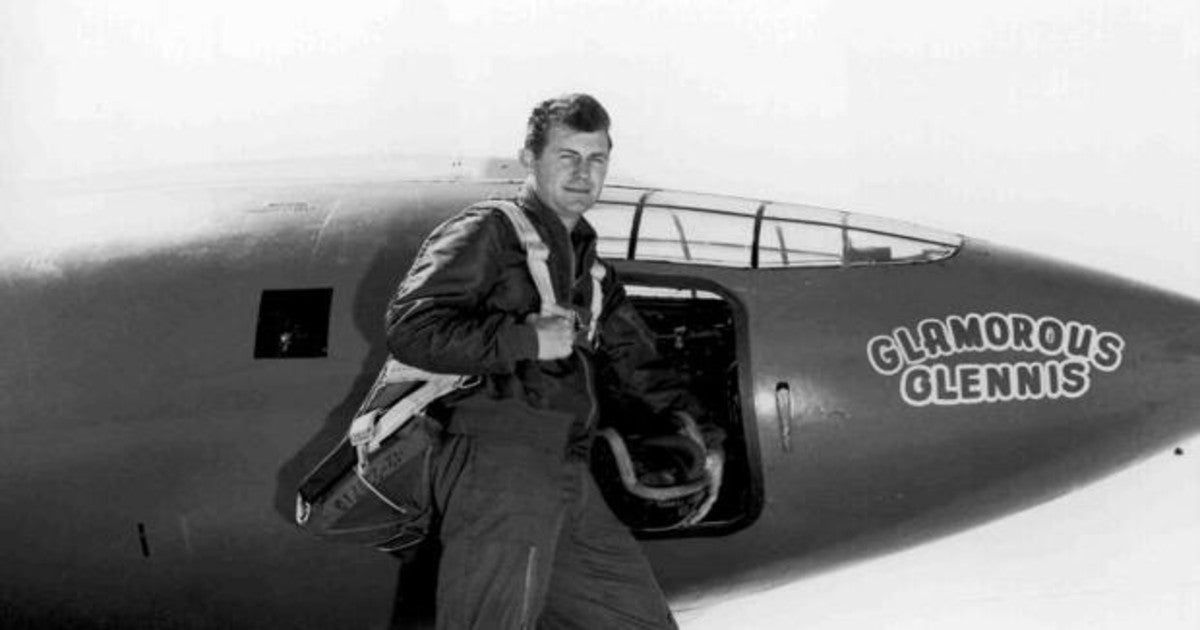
point(156, 413)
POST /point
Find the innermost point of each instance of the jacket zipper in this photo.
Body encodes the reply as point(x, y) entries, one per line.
point(583, 360)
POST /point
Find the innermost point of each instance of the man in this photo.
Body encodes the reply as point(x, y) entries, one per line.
point(526, 536)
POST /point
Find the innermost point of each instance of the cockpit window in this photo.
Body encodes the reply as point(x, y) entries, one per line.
point(796, 244)
point(707, 238)
point(691, 228)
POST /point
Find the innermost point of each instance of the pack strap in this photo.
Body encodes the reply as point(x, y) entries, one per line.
point(598, 273)
point(537, 256)
point(369, 430)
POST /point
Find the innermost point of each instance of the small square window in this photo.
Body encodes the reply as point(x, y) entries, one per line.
point(293, 324)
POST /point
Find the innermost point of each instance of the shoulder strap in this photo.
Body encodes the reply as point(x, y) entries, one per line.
point(598, 273)
point(536, 257)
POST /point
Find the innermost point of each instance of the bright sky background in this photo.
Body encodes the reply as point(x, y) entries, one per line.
point(1070, 128)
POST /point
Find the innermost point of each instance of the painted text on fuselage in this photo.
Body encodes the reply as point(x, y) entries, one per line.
point(920, 354)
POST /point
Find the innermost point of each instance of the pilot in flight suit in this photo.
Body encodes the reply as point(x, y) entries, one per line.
point(527, 539)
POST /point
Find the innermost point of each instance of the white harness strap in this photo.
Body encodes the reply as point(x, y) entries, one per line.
point(368, 431)
point(537, 256)
point(598, 272)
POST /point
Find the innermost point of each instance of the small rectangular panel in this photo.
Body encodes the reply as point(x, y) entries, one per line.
point(293, 324)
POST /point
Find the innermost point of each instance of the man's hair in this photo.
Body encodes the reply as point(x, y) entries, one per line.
point(579, 112)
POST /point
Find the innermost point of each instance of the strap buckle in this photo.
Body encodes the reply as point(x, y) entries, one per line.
point(361, 434)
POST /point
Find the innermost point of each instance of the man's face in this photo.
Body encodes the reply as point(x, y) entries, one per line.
point(569, 174)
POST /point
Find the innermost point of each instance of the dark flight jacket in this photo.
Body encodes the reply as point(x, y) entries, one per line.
point(462, 310)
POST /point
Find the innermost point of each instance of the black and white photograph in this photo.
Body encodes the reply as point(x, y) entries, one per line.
point(606, 314)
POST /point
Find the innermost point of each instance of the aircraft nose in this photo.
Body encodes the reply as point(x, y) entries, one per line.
point(1142, 362)
point(1162, 369)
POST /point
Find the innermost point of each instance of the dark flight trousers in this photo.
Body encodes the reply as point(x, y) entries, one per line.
point(528, 542)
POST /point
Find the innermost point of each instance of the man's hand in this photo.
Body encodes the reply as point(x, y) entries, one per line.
point(555, 335)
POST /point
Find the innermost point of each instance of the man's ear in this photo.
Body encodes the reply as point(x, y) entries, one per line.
point(527, 158)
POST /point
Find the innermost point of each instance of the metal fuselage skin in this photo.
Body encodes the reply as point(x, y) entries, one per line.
point(150, 460)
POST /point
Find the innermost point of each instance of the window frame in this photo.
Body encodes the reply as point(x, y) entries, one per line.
point(765, 211)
